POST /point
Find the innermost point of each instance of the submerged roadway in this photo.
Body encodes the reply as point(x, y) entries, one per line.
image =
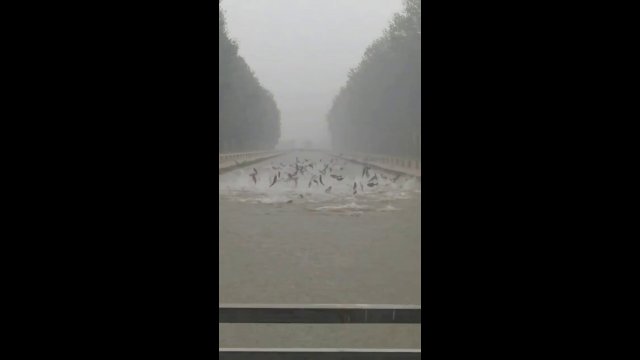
point(351, 237)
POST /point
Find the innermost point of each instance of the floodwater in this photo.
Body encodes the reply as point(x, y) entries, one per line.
point(299, 243)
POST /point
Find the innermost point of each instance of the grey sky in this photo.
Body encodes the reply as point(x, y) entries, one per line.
point(302, 50)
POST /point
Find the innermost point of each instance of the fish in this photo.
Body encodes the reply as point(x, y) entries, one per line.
point(365, 171)
point(321, 180)
point(275, 179)
point(328, 190)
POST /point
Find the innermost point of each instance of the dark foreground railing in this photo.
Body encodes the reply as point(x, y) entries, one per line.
point(318, 314)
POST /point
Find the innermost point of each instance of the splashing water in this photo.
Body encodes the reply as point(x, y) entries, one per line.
point(314, 177)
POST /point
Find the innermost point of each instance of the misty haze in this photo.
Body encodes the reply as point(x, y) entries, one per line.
point(320, 177)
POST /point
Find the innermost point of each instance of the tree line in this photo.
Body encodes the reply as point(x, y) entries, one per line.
point(379, 109)
point(249, 119)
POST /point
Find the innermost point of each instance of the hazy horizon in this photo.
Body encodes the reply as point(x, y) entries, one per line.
point(302, 51)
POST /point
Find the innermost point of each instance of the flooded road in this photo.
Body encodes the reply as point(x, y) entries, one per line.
point(295, 242)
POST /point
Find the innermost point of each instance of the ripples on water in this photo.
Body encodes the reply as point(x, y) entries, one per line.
point(238, 185)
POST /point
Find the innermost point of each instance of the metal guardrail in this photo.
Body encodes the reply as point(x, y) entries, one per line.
point(409, 166)
point(319, 314)
point(391, 160)
point(243, 156)
point(401, 163)
point(229, 161)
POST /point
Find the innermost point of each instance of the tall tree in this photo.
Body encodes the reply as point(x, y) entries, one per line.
point(379, 108)
point(249, 119)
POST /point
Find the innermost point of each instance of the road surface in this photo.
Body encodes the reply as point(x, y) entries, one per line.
point(299, 243)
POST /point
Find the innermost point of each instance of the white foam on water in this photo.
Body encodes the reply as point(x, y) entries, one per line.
point(389, 207)
point(344, 207)
point(239, 186)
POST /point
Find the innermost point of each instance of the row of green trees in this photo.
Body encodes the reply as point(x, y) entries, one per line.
point(379, 108)
point(249, 119)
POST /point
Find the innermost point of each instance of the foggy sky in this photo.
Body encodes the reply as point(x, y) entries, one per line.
point(302, 50)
